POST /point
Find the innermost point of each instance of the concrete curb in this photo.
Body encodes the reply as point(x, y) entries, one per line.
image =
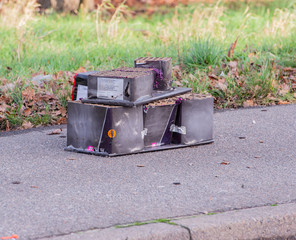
point(155, 231)
point(269, 222)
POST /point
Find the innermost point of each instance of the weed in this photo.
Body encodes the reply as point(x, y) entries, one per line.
point(211, 213)
point(201, 54)
point(161, 220)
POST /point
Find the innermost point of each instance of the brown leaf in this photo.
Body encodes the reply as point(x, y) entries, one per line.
point(3, 107)
point(283, 102)
point(249, 103)
point(27, 112)
point(257, 157)
point(7, 125)
point(177, 73)
point(284, 89)
point(28, 94)
point(220, 85)
point(80, 69)
point(55, 132)
point(261, 141)
point(26, 125)
point(213, 77)
point(60, 75)
point(231, 49)
point(225, 163)
point(140, 166)
point(178, 83)
point(62, 120)
point(56, 113)
point(289, 69)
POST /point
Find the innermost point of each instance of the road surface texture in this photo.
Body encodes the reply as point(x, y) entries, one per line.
point(48, 193)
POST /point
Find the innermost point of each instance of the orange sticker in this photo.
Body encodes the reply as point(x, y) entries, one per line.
point(111, 133)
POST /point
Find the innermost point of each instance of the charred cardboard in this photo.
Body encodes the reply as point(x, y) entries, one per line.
point(119, 85)
point(163, 68)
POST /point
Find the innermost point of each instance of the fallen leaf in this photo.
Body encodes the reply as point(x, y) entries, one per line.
point(213, 77)
point(14, 236)
point(140, 166)
point(3, 107)
point(28, 94)
point(80, 70)
point(55, 132)
point(34, 187)
point(284, 89)
point(27, 112)
point(231, 49)
point(225, 163)
point(289, 69)
point(248, 103)
point(62, 120)
point(283, 102)
point(7, 125)
point(177, 73)
point(221, 86)
point(26, 125)
point(71, 159)
point(178, 83)
point(261, 141)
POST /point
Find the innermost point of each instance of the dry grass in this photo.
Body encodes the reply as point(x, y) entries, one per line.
point(283, 23)
point(201, 23)
point(107, 30)
point(16, 14)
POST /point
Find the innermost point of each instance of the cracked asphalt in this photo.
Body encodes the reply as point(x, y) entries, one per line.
point(46, 191)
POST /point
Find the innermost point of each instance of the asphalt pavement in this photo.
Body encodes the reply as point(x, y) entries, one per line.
point(46, 192)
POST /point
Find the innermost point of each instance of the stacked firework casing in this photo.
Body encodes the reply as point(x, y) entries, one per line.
point(132, 110)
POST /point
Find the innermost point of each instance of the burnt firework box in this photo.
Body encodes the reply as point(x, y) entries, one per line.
point(80, 89)
point(104, 130)
point(163, 68)
point(158, 119)
point(194, 120)
point(119, 85)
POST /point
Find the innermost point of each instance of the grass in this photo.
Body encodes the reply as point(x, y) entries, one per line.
point(202, 53)
point(197, 37)
point(161, 220)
